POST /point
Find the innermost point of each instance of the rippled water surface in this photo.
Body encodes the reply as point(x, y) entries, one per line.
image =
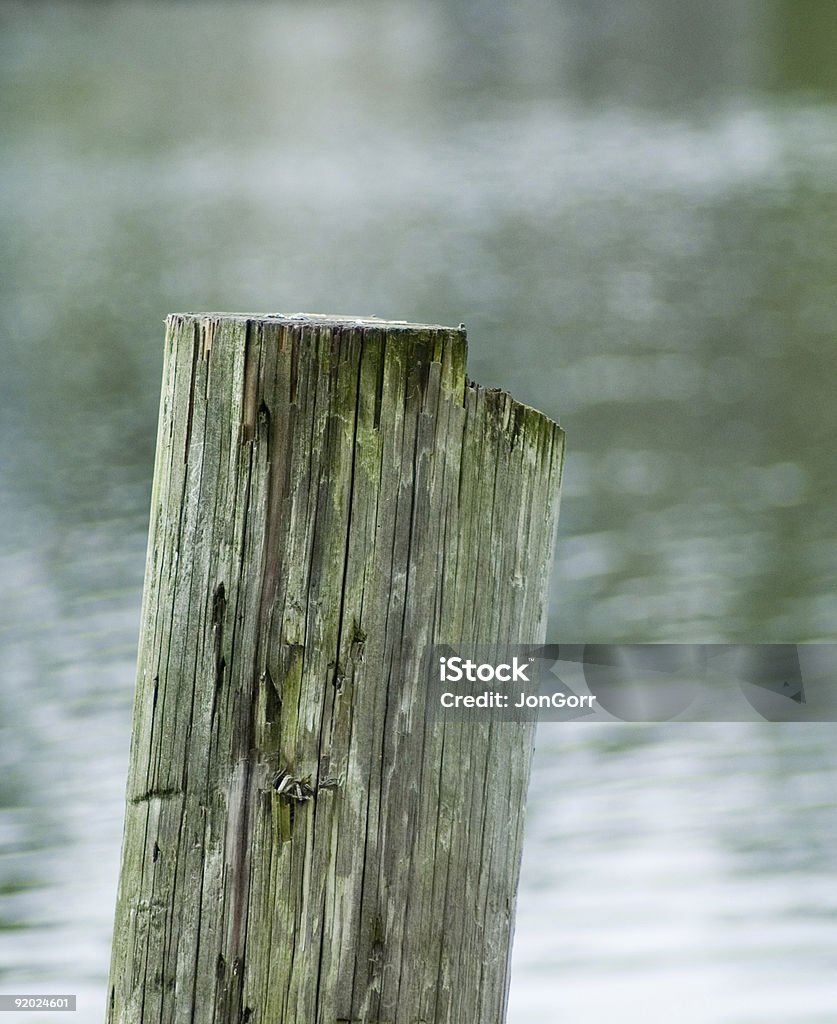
point(632, 207)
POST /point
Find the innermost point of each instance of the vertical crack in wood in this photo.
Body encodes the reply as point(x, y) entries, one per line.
point(219, 609)
point(191, 406)
point(346, 338)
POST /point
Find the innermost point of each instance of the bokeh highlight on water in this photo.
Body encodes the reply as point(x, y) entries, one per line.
point(632, 208)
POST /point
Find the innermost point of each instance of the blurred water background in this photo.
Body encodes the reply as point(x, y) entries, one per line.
point(631, 204)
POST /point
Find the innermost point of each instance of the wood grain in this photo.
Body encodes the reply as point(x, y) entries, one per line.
point(302, 845)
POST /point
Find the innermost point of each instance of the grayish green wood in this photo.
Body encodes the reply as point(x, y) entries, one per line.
point(330, 496)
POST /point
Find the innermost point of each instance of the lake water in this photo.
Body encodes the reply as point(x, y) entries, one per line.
point(632, 207)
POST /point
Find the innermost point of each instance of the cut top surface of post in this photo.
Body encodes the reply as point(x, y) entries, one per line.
point(324, 320)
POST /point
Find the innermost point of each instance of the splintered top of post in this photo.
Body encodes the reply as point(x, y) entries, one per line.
point(322, 320)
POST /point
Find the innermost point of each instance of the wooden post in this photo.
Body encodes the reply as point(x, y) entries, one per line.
point(302, 845)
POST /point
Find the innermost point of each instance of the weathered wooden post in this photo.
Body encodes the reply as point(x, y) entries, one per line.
point(302, 845)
